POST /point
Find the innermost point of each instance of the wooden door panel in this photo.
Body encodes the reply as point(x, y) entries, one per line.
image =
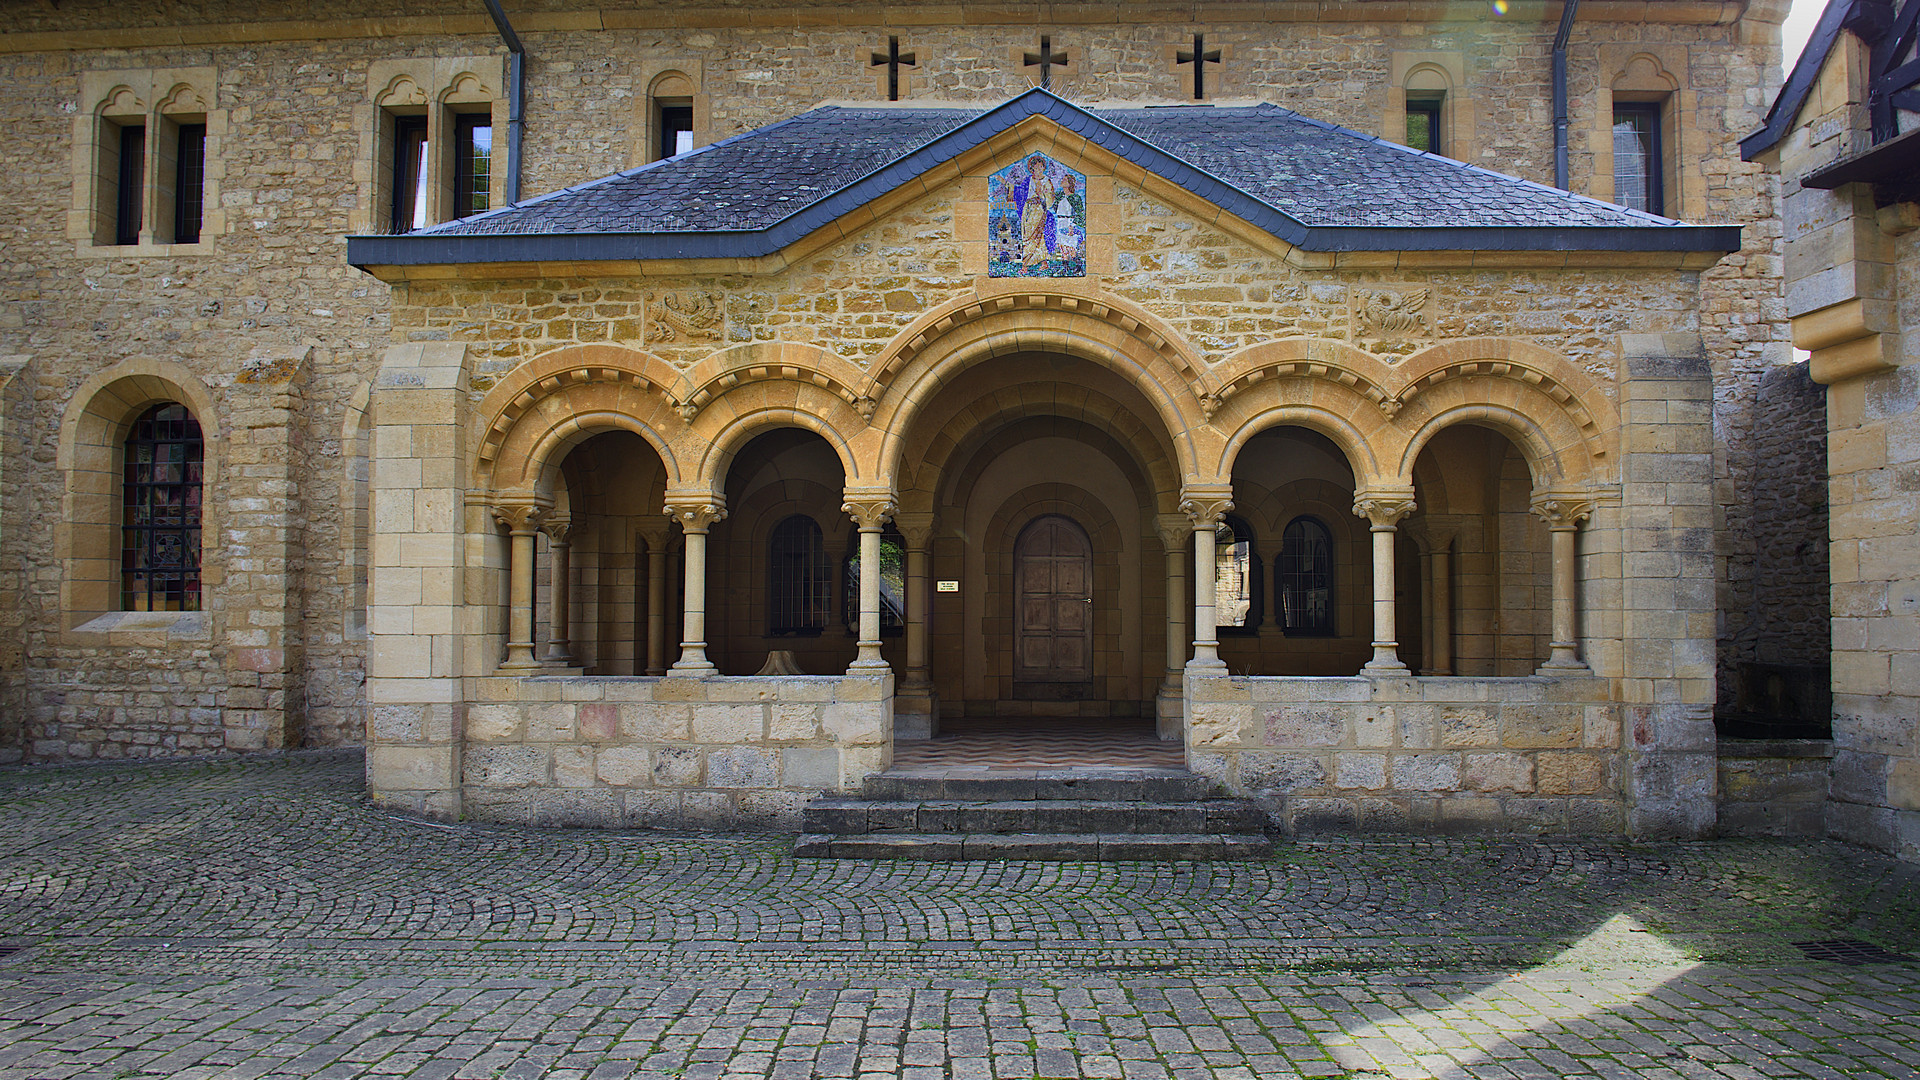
point(1053, 571)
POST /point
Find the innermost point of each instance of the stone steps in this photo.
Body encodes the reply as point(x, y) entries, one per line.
point(1083, 814)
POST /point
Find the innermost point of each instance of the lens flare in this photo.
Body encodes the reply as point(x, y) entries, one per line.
point(1500, 7)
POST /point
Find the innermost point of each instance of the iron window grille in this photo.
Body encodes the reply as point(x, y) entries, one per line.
point(1637, 164)
point(164, 460)
point(799, 579)
point(1306, 579)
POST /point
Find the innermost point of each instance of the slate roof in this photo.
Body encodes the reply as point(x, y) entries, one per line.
point(1316, 185)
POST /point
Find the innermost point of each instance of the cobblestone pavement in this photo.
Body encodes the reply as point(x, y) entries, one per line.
point(256, 918)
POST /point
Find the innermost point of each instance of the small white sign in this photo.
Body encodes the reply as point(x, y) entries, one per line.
point(946, 586)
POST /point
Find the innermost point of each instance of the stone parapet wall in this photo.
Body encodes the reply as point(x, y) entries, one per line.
point(1774, 787)
point(722, 753)
point(1466, 754)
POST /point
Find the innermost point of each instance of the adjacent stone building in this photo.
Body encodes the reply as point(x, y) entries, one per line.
point(1405, 489)
point(1842, 135)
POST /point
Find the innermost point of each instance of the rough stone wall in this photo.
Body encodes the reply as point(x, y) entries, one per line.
point(683, 753)
point(274, 281)
point(1532, 755)
point(1774, 787)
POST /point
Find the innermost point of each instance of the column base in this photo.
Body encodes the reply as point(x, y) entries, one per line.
point(557, 656)
point(1208, 666)
point(864, 666)
point(519, 657)
point(1386, 661)
point(693, 662)
point(1564, 660)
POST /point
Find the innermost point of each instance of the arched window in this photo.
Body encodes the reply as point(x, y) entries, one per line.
point(799, 579)
point(1236, 576)
point(1305, 570)
point(893, 583)
point(164, 457)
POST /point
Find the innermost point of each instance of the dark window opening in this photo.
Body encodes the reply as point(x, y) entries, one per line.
point(1423, 123)
point(1236, 578)
point(893, 583)
point(676, 130)
point(1306, 579)
point(799, 579)
point(131, 181)
point(160, 512)
point(189, 185)
point(1637, 164)
point(472, 163)
point(409, 173)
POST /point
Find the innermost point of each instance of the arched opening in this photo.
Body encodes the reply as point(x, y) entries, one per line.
point(1483, 565)
point(776, 563)
point(606, 544)
point(1309, 573)
point(1036, 507)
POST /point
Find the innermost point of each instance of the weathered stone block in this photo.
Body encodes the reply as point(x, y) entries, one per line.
point(505, 766)
point(1569, 773)
point(396, 723)
point(1468, 725)
point(1530, 726)
point(743, 767)
point(854, 723)
point(729, 724)
point(594, 808)
point(1263, 771)
point(678, 766)
point(815, 768)
point(496, 723)
point(599, 722)
point(1218, 724)
point(791, 721)
point(1426, 772)
point(573, 766)
point(1499, 772)
point(623, 766)
point(663, 721)
point(1360, 771)
point(1301, 727)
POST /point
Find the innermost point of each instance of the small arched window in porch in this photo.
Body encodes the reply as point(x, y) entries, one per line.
point(1305, 571)
point(799, 579)
point(1236, 576)
point(893, 583)
point(163, 460)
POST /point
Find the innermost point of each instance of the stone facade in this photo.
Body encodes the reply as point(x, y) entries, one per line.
point(362, 433)
point(1853, 292)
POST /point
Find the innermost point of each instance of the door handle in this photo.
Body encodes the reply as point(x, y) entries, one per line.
point(1086, 599)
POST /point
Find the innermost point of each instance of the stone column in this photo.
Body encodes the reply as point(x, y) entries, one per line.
point(870, 512)
point(522, 521)
point(1175, 530)
point(1205, 508)
point(1383, 511)
point(1440, 614)
point(557, 527)
point(655, 536)
point(916, 711)
point(1563, 514)
point(695, 517)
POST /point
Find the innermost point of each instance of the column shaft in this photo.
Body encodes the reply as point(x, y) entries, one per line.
point(1176, 615)
point(1206, 646)
point(1441, 661)
point(919, 602)
point(559, 633)
point(656, 608)
point(520, 599)
point(1386, 647)
point(693, 642)
point(869, 655)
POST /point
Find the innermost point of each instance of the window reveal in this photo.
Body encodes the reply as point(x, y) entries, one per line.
point(409, 173)
point(164, 458)
point(1423, 122)
point(676, 129)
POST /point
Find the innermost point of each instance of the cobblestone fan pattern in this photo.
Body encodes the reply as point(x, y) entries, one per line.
point(250, 918)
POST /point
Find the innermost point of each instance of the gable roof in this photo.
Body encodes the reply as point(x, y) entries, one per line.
point(1315, 185)
point(1806, 71)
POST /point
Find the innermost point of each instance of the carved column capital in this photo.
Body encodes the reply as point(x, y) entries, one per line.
point(1174, 529)
point(1383, 509)
point(655, 531)
point(557, 526)
point(1562, 510)
point(870, 511)
point(519, 518)
point(1205, 507)
point(916, 529)
point(695, 515)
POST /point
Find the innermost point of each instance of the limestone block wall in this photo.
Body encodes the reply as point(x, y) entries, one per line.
point(1853, 292)
point(1465, 754)
point(674, 752)
point(1774, 787)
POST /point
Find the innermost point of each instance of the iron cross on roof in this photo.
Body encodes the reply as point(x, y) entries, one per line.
point(1199, 56)
point(1046, 59)
point(895, 60)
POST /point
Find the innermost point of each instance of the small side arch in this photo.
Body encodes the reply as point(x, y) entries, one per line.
point(555, 400)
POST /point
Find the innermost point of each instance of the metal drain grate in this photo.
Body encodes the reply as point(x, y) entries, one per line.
point(1850, 951)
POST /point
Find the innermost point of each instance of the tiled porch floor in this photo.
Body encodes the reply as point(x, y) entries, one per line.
point(1040, 742)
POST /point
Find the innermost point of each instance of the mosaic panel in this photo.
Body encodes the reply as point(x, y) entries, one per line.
point(1037, 220)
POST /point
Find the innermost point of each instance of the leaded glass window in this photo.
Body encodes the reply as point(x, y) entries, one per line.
point(1306, 579)
point(1637, 166)
point(160, 522)
point(799, 578)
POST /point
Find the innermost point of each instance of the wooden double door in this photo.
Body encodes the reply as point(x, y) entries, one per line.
point(1053, 611)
